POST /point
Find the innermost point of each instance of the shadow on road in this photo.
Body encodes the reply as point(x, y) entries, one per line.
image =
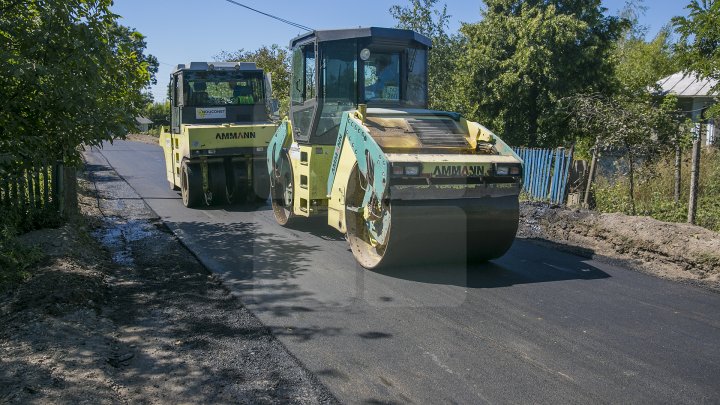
point(525, 263)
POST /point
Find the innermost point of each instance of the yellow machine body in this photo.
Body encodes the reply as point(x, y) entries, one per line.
point(221, 124)
point(403, 182)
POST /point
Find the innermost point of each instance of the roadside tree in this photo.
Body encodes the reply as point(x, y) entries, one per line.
point(523, 57)
point(274, 60)
point(71, 75)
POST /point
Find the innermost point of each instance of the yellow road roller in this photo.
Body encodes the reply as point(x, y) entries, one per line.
point(221, 124)
point(360, 147)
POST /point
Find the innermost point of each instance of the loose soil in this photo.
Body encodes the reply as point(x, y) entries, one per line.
point(152, 140)
point(121, 312)
point(675, 251)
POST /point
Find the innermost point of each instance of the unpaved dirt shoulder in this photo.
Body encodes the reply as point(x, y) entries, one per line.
point(675, 251)
point(149, 139)
point(135, 319)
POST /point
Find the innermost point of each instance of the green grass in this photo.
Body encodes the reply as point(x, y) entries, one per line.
point(654, 191)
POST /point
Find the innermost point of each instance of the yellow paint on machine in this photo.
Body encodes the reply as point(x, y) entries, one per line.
point(336, 204)
point(311, 168)
point(177, 147)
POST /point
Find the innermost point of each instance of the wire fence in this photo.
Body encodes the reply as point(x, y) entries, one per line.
point(545, 173)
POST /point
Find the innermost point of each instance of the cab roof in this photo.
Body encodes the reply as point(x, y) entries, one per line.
point(383, 34)
point(205, 66)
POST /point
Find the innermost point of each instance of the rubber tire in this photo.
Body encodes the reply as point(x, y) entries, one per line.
point(217, 183)
point(283, 215)
point(261, 181)
point(191, 186)
point(366, 255)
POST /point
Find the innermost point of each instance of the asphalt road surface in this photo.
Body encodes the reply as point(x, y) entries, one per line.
point(536, 326)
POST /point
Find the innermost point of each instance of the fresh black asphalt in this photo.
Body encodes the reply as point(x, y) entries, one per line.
point(536, 326)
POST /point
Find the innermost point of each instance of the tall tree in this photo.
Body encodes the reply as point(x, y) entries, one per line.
point(274, 60)
point(71, 75)
point(523, 57)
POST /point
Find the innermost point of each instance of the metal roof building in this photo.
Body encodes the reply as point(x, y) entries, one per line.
point(695, 95)
point(687, 85)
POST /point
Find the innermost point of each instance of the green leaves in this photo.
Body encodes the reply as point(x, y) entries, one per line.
point(525, 56)
point(274, 60)
point(75, 77)
point(698, 48)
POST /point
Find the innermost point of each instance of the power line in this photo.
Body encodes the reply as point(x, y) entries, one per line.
point(296, 25)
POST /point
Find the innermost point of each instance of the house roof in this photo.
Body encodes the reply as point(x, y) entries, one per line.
point(685, 84)
point(143, 120)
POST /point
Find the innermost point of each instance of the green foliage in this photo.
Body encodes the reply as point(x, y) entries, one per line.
point(15, 259)
point(158, 113)
point(654, 191)
point(426, 18)
point(698, 48)
point(274, 60)
point(523, 57)
point(641, 64)
point(71, 75)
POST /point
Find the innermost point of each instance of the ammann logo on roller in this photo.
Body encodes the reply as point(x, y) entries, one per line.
point(235, 135)
point(459, 171)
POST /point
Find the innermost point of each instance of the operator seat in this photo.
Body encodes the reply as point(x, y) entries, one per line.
point(243, 95)
point(199, 96)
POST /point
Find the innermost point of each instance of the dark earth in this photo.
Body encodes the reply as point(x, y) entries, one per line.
point(136, 319)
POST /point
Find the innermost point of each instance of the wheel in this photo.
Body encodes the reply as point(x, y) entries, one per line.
point(282, 192)
point(191, 186)
point(217, 184)
point(261, 181)
point(368, 233)
point(234, 186)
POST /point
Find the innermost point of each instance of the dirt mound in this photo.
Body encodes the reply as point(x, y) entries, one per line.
point(670, 250)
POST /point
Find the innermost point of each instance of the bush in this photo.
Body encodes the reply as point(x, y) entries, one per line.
point(15, 259)
point(654, 191)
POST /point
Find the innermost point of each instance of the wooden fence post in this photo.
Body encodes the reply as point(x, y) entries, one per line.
point(678, 171)
point(591, 179)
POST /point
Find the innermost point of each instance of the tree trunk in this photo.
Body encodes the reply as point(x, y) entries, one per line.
point(70, 206)
point(695, 177)
point(590, 179)
point(678, 171)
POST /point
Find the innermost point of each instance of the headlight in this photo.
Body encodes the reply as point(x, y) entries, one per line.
point(502, 171)
point(397, 170)
point(515, 171)
point(412, 170)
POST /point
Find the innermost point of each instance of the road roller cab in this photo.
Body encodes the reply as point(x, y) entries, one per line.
point(220, 126)
point(361, 147)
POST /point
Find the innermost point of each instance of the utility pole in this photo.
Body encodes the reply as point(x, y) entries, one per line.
point(695, 175)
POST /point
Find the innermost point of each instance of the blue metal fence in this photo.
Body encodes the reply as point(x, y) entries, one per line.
point(545, 173)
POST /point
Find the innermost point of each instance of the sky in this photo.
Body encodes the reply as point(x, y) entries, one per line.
point(180, 31)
